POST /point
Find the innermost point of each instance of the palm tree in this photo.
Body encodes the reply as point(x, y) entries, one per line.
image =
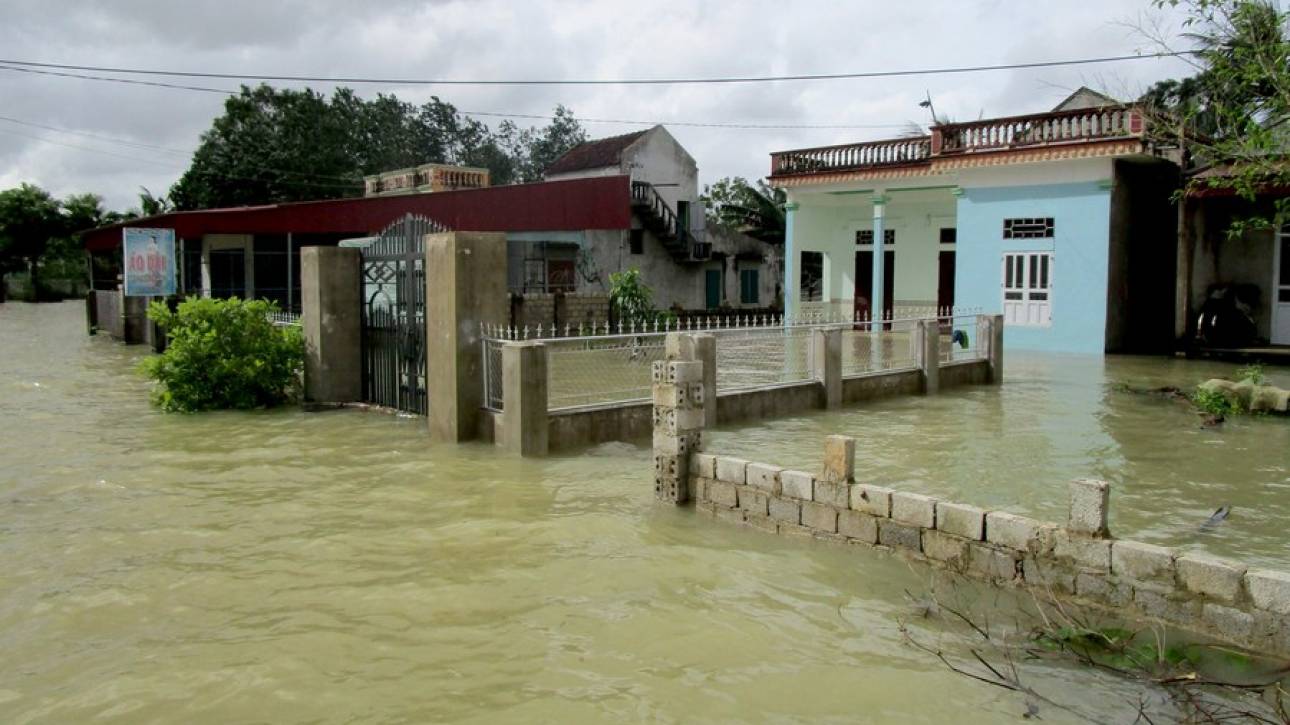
point(757, 211)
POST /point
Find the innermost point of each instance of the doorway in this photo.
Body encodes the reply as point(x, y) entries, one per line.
point(945, 282)
point(712, 288)
point(228, 273)
point(1281, 292)
point(863, 307)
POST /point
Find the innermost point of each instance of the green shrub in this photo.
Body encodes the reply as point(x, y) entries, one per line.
point(224, 354)
point(1214, 402)
point(1252, 372)
point(632, 299)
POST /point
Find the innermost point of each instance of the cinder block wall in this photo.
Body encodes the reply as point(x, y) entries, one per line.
point(1078, 561)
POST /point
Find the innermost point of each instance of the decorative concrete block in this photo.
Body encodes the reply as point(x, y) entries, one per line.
point(764, 477)
point(1142, 562)
point(991, 562)
point(839, 459)
point(858, 525)
point(703, 464)
point(752, 500)
point(731, 470)
point(961, 520)
point(874, 500)
point(670, 395)
point(820, 517)
point(681, 372)
point(723, 494)
point(899, 536)
point(1103, 589)
point(786, 510)
point(1048, 574)
point(913, 508)
point(946, 548)
point(1231, 624)
point(1210, 576)
point(676, 445)
point(837, 495)
point(1269, 590)
point(1018, 532)
point(669, 482)
point(797, 484)
point(1082, 551)
point(1089, 501)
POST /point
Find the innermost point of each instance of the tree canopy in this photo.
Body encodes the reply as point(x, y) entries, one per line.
point(757, 211)
point(276, 145)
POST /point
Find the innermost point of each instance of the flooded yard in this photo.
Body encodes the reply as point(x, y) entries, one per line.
point(337, 567)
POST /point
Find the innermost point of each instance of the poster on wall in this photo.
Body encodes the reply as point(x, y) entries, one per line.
point(149, 262)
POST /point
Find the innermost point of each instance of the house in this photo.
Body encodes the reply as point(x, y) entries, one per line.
point(1062, 221)
point(425, 179)
point(689, 263)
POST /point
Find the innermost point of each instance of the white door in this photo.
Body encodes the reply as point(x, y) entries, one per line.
point(1281, 292)
point(1027, 289)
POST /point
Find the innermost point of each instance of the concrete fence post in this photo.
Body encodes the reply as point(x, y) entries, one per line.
point(1089, 504)
point(928, 341)
point(465, 287)
point(134, 319)
point(701, 347)
point(826, 359)
point(678, 418)
point(839, 459)
point(525, 425)
point(990, 329)
point(331, 319)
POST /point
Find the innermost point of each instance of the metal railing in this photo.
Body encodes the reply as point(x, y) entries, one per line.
point(866, 155)
point(961, 338)
point(493, 373)
point(285, 319)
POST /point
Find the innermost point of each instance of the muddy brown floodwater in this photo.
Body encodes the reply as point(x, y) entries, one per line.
point(337, 567)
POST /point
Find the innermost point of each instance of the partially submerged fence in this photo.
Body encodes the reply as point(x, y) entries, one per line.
point(588, 388)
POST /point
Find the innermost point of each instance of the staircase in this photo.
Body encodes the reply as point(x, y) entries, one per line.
point(662, 222)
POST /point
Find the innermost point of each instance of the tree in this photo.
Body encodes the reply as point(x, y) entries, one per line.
point(757, 211)
point(1236, 110)
point(29, 220)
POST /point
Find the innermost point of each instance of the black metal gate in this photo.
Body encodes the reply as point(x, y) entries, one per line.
point(394, 315)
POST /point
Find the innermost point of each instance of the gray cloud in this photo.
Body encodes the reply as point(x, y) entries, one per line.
point(496, 39)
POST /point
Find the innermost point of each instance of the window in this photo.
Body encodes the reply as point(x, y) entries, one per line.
point(637, 241)
point(1027, 289)
point(812, 276)
point(1037, 228)
point(865, 236)
point(949, 235)
point(749, 283)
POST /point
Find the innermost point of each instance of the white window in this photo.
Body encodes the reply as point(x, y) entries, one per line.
point(1028, 288)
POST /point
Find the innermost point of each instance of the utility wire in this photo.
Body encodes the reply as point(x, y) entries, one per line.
point(595, 81)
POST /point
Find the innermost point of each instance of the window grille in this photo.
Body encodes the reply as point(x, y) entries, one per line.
point(865, 236)
point(1029, 228)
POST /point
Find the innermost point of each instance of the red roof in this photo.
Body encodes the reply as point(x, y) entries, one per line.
point(597, 203)
point(595, 154)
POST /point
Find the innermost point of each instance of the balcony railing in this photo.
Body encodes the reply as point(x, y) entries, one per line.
point(997, 134)
point(866, 155)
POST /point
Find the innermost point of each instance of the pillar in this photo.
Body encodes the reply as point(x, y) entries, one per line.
point(839, 459)
point(134, 319)
point(700, 346)
point(525, 426)
point(990, 330)
point(879, 257)
point(826, 359)
point(678, 418)
point(1089, 504)
point(465, 286)
point(792, 299)
point(332, 321)
point(928, 339)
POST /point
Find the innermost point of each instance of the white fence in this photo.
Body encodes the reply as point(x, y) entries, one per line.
point(610, 364)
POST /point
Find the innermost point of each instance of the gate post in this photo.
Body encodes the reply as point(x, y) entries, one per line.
point(525, 426)
point(927, 339)
point(331, 318)
point(701, 346)
point(465, 287)
point(990, 329)
point(826, 361)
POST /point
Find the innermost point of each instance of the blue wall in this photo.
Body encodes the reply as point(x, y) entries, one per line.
point(1081, 227)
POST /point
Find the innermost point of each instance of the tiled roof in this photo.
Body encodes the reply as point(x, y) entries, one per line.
point(595, 154)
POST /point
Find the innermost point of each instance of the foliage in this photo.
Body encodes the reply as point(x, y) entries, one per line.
point(1215, 402)
point(39, 233)
point(631, 298)
point(1236, 110)
point(757, 211)
point(1252, 372)
point(224, 354)
point(275, 145)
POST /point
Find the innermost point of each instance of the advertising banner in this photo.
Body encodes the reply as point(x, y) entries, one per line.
point(149, 262)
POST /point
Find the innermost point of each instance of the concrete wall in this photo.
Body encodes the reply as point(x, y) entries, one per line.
point(109, 313)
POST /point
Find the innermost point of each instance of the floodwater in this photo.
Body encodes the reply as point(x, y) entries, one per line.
point(336, 567)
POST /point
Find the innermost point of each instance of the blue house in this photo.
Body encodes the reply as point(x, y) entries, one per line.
point(1064, 222)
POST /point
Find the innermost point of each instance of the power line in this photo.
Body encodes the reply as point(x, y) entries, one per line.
point(593, 81)
point(107, 139)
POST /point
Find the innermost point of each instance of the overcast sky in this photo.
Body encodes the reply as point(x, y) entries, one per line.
point(146, 134)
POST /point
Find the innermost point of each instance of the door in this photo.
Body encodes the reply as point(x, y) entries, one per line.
point(945, 281)
point(862, 307)
point(1281, 295)
point(712, 287)
point(228, 273)
point(1027, 289)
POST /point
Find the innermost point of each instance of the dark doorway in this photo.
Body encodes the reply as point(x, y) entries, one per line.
point(712, 286)
point(945, 283)
point(863, 307)
point(228, 273)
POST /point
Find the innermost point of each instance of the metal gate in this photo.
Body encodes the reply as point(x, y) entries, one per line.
point(394, 315)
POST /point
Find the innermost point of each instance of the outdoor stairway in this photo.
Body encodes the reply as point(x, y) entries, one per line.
point(662, 222)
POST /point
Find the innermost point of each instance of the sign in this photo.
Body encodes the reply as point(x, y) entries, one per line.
point(149, 262)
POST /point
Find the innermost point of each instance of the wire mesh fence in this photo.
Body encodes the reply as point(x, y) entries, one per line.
point(493, 373)
point(762, 357)
point(594, 370)
point(879, 347)
point(961, 338)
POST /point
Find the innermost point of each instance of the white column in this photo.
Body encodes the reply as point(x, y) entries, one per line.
point(879, 257)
